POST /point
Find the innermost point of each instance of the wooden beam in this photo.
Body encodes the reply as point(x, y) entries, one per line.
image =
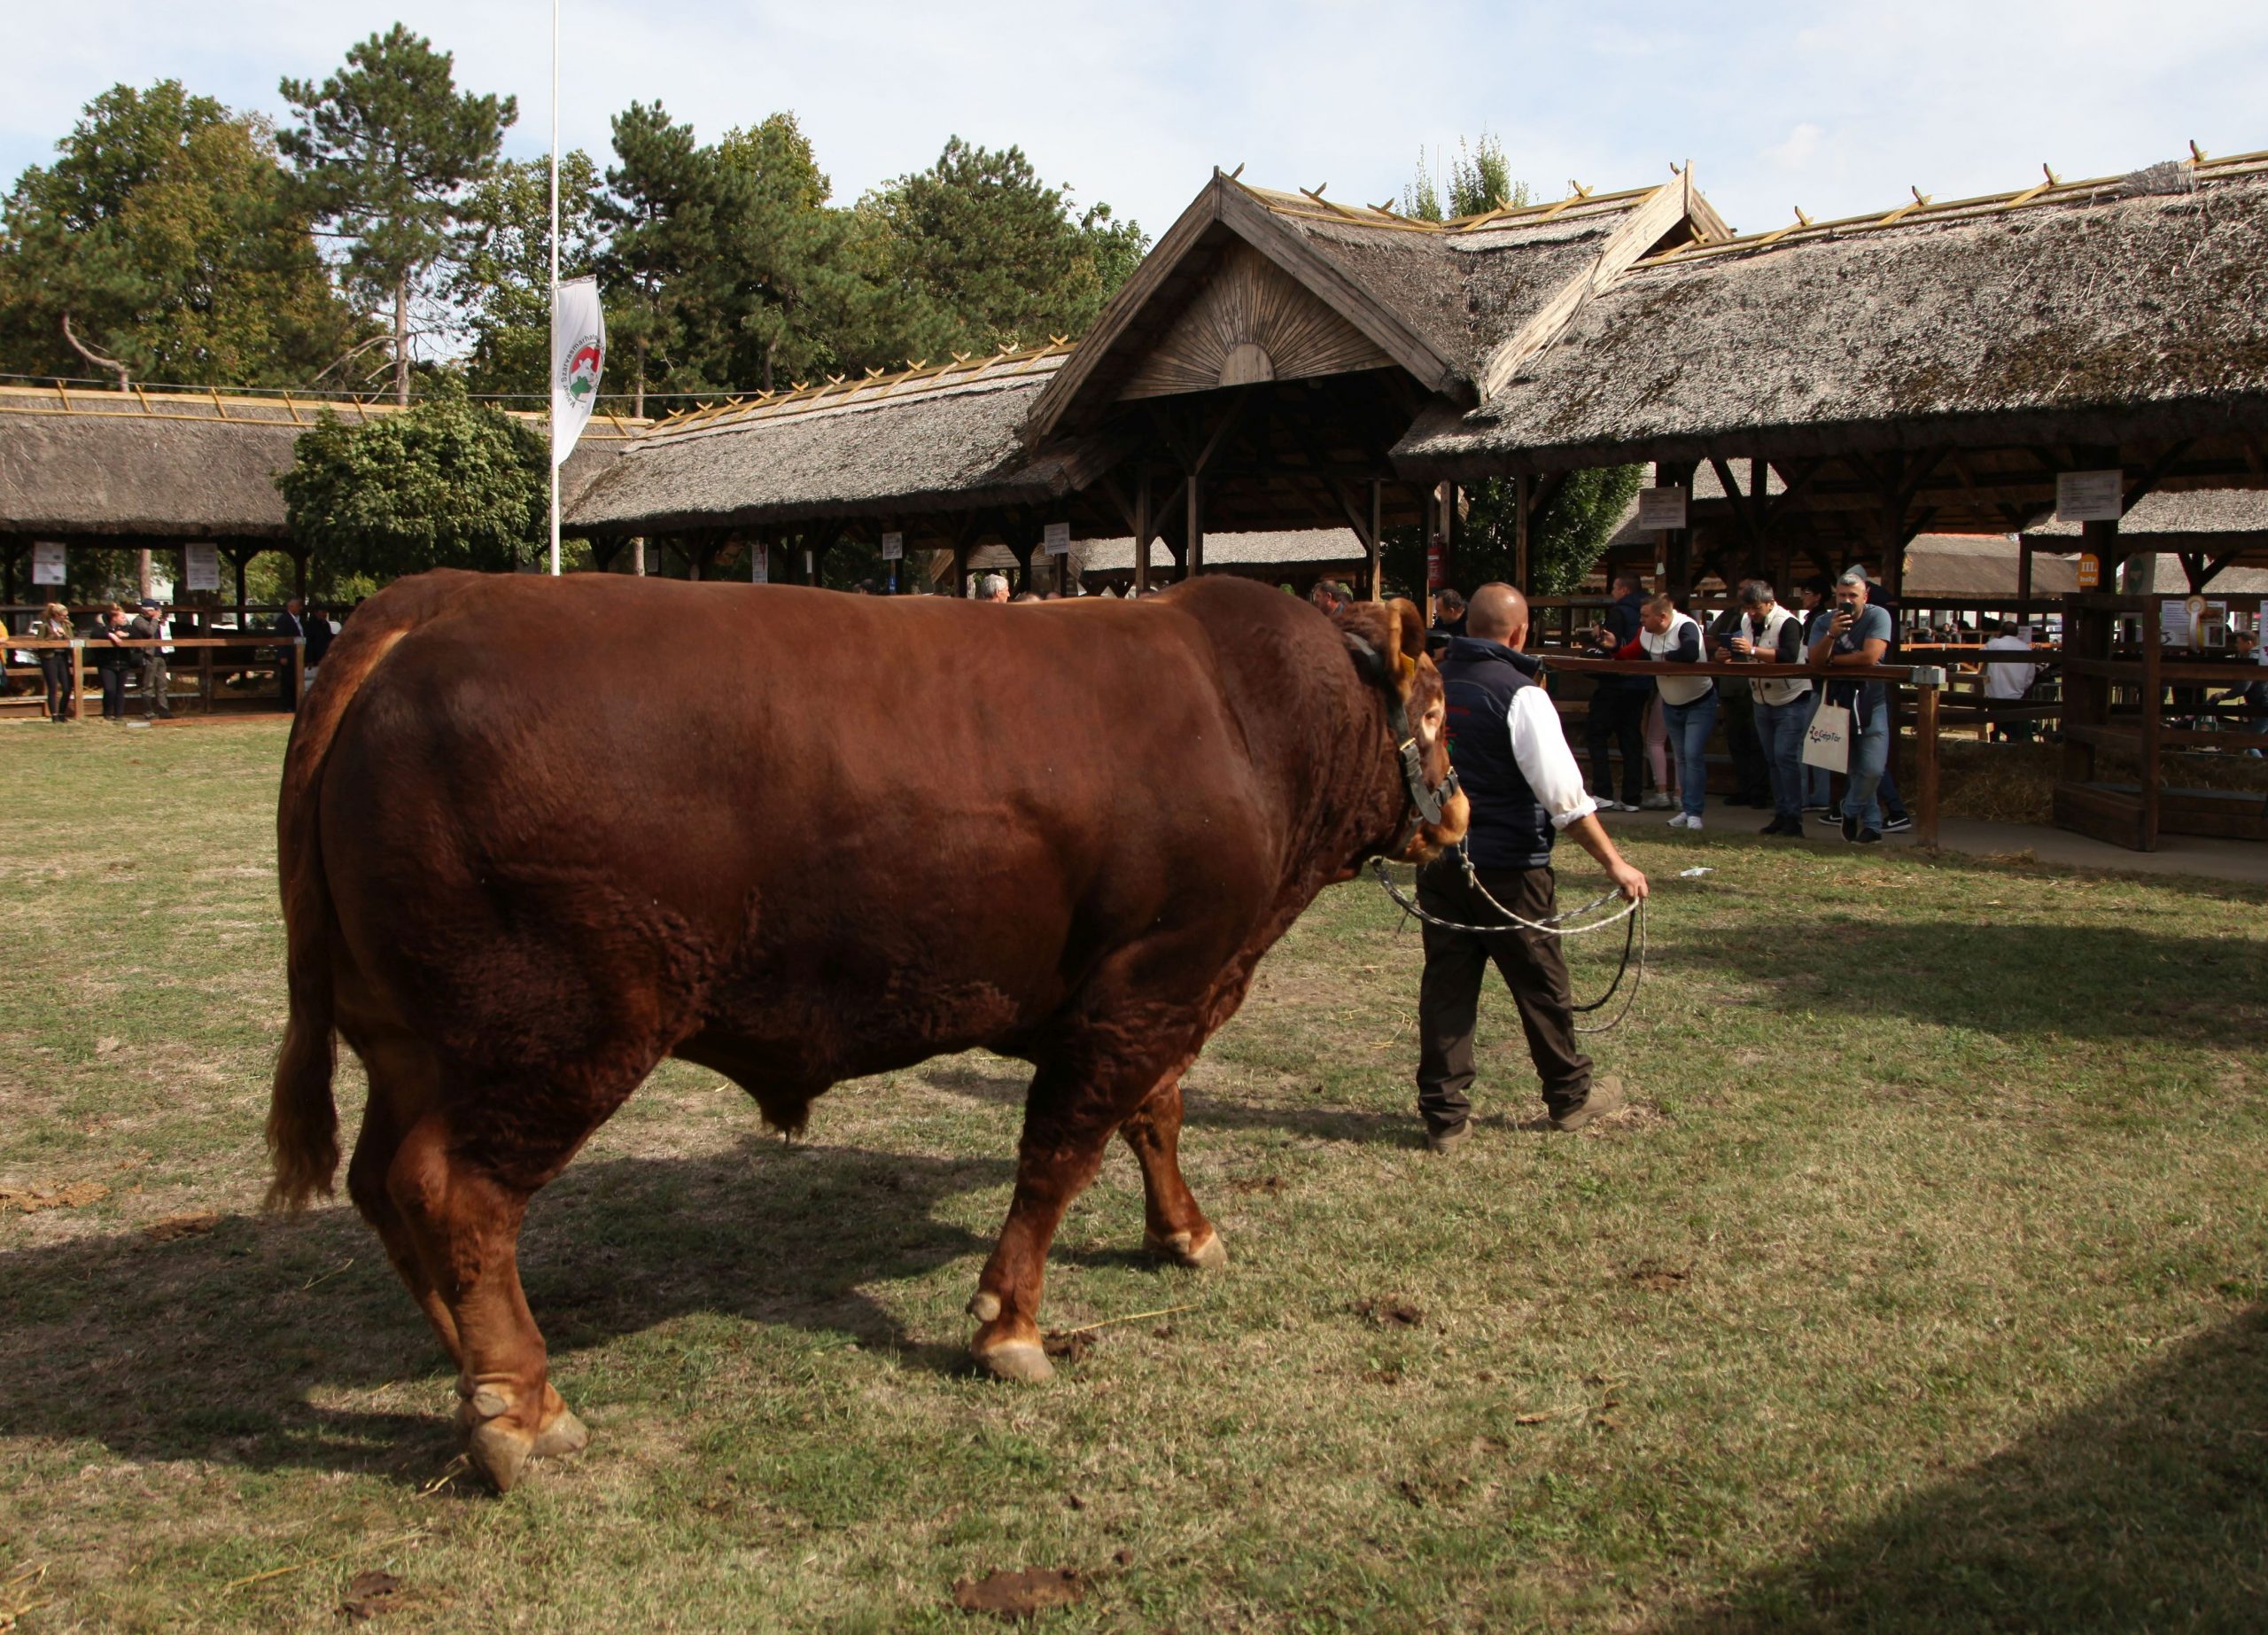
point(1640, 230)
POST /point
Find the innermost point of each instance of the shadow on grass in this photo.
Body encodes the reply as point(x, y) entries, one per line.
point(1006, 1084)
point(2144, 1510)
point(212, 1346)
point(2078, 981)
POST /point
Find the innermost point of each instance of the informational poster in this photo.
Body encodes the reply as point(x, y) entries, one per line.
point(48, 566)
point(1662, 509)
point(203, 566)
point(2090, 496)
point(1057, 538)
point(2090, 571)
point(893, 546)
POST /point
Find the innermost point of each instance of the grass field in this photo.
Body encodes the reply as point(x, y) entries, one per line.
point(1923, 1289)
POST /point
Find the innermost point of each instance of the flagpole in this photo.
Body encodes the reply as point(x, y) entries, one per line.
point(555, 283)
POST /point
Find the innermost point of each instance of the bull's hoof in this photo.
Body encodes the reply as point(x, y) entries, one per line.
point(1209, 1253)
point(1021, 1361)
point(500, 1448)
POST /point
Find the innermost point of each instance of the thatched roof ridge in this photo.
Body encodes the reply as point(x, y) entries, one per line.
point(2178, 517)
point(2089, 315)
point(152, 465)
point(940, 441)
point(1291, 547)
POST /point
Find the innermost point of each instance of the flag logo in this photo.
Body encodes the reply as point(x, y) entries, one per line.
point(578, 378)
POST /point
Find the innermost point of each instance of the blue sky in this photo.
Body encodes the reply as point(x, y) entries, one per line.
point(1837, 108)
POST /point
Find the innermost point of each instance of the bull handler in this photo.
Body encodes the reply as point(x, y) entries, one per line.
point(1512, 758)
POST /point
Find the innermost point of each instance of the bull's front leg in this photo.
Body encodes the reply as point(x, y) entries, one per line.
point(1067, 1125)
point(1173, 1226)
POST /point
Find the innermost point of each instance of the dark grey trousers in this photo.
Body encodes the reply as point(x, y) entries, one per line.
point(1448, 993)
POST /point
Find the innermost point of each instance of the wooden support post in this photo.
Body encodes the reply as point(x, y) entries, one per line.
point(1373, 545)
point(78, 679)
point(2153, 702)
point(2023, 579)
point(299, 574)
point(204, 680)
point(638, 556)
point(1193, 537)
point(298, 669)
point(1143, 524)
point(1925, 761)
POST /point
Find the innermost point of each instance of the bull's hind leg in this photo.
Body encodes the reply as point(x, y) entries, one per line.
point(403, 1086)
point(465, 1218)
point(1173, 1226)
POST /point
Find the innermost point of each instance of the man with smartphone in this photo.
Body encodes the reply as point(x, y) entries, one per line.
point(1857, 637)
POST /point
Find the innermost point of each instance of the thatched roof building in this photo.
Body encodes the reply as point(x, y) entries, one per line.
point(2086, 313)
point(2212, 535)
point(1317, 308)
point(942, 437)
point(163, 467)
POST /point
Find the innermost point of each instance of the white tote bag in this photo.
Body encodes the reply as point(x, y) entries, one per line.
point(1827, 743)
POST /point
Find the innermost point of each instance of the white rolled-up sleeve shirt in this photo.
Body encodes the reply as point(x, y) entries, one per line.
point(1540, 746)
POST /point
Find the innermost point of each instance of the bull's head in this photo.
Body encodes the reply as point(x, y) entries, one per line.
point(1387, 643)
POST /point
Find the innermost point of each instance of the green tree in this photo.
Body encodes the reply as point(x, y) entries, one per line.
point(660, 212)
point(163, 243)
point(502, 285)
point(991, 256)
point(449, 483)
point(387, 149)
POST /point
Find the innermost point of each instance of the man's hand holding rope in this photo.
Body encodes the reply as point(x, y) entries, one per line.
point(1589, 833)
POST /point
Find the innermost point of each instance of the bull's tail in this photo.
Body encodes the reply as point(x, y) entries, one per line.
point(302, 1119)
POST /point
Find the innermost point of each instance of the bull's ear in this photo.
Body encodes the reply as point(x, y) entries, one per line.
point(1409, 625)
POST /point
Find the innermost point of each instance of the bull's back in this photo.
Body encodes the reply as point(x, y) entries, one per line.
point(924, 815)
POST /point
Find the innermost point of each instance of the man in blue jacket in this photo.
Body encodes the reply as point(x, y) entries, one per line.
point(1512, 759)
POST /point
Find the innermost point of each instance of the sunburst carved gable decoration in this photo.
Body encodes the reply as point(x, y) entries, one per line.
point(1252, 322)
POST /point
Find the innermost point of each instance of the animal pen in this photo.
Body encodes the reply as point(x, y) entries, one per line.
point(1817, 393)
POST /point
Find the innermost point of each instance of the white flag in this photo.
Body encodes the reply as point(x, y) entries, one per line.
point(578, 354)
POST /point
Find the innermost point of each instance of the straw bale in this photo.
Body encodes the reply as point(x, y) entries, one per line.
point(2105, 316)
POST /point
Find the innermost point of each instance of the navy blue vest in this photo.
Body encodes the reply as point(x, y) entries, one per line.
point(1510, 829)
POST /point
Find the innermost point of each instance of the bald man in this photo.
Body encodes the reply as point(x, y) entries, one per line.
point(1512, 759)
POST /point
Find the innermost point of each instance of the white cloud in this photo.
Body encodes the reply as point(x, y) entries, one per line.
point(1795, 153)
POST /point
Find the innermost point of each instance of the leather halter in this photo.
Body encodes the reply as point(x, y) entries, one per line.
point(1426, 801)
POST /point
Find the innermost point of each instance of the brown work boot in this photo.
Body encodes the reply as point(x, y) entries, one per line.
point(1605, 1096)
point(1443, 1141)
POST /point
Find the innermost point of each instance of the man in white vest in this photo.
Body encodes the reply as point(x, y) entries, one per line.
point(1765, 633)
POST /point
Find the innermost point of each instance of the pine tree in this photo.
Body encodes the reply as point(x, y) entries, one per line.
point(387, 149)
point(660, 212)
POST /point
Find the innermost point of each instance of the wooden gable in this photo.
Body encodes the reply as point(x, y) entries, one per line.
point(1251, 320)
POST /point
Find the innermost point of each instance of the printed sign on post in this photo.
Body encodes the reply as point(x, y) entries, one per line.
point(1662, 509)
point(759, 564)
point(204, 564)
point(2090, 496)
point(2090, 571)
point(893, 546)
point(48, 564)
point(1057, 537)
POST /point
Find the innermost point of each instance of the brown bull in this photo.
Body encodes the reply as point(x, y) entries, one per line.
point(878, 853)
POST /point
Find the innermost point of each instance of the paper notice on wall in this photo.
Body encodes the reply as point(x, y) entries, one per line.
point(1661, 509)
point(1057, 539)
point(2090, 496)
point(893, 547)
point(49, 565)
point(202, 566)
